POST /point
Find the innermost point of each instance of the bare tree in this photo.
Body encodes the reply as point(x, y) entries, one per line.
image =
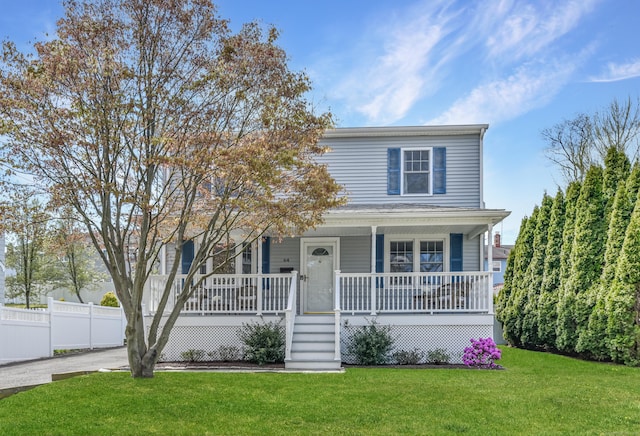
point(570, 147)
point(576, 144)
point(618, 126)
point(158, 125)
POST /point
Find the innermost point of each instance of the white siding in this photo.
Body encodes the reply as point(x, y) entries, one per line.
point(360, 164)
point(355, 254)
point(284, 254)
point(471, 254)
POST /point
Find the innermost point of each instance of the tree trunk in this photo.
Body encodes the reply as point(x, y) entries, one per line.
point(142, 360)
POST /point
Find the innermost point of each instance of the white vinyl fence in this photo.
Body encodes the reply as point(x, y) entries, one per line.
point(32, 334)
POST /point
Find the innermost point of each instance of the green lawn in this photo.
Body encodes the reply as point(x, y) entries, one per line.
point(537, 394)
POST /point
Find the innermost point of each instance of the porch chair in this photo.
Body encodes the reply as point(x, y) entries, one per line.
point(247, 297)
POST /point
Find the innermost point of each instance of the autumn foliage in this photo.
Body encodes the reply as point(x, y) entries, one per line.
point(158, 125)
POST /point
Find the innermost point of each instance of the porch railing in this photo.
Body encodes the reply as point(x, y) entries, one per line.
point(456, 292)
point(290, 315)
point(226, 293)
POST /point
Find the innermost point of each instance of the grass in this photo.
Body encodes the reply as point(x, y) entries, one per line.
point(538, 393)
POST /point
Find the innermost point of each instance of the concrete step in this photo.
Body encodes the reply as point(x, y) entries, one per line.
point(308, 355)
point(313, 337)
point(313, 365)
point(312, 328)
point(298, 345)
point(315, 319)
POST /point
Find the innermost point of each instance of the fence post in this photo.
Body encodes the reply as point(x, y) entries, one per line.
point(51, 324)
point(91, 325)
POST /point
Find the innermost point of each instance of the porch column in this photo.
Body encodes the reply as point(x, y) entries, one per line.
point(163, 260)
point(259, 256)
point(490, 266)
point(374, 248)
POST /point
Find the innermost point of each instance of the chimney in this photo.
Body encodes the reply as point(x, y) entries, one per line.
point(496, 240)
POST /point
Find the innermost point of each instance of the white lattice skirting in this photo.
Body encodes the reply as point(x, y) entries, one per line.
point(449, 332)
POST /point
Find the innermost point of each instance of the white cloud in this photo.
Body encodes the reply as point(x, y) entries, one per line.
point(517, 29)
point(503, 99)
point(418, 51)
point(616, 72)
point(386, 83)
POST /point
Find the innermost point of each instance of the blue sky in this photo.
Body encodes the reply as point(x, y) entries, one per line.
point(519, 66)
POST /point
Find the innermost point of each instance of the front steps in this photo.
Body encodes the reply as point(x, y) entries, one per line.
point(313, 344)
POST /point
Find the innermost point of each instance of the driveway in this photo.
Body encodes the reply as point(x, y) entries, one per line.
point(35, 372)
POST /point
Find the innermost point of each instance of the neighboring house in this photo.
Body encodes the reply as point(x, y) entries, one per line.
point(499, 263)
point(406, 251)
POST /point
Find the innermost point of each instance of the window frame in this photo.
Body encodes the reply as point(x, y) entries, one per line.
point(416, 239)
point(403, 150)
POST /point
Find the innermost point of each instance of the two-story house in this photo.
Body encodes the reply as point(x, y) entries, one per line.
point(406, 251)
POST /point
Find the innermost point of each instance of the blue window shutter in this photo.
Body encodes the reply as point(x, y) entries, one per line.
point(393, 171)
point(266, 255)
point(439, 170)
point(379, 253)
point(187, 256)
point(455, 257)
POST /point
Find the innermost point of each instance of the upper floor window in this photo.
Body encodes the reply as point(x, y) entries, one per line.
point(417, 172)
point(414, 171)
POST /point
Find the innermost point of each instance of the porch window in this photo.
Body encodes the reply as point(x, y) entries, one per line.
point(401, 256)
point(246, 259)
point(430, 259)
point(431, 256)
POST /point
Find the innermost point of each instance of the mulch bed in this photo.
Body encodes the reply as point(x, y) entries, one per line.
point(243, 364)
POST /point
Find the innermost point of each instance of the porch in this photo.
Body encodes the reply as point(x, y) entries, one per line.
point(425, 311)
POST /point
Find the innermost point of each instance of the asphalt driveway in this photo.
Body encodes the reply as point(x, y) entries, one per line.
point(36, 372)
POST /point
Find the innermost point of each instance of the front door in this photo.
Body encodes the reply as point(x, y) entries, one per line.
point(320, 260)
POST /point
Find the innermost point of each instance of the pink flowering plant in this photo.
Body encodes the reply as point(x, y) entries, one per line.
point(481, 354)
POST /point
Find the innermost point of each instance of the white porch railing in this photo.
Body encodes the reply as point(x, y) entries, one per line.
point(290, 315)
point(457, 292)
point(227, 293)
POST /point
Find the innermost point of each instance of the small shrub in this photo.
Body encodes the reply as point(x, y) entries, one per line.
point(226, 353)
point(371, 344)
point(192, 355)
point(439, 356)
point(482, 354)
point(109, 299)
point(412, 357)
point(264, 343)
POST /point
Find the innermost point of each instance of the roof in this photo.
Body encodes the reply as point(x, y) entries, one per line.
point(462, 129)
point(501, 252)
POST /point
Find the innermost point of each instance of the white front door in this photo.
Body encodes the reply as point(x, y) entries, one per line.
point(319, 261)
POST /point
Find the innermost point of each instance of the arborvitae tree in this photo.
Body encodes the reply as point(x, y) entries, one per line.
point(503, 298)
point(535, 274)
point(519, 288)
point(616, 171)
point(592, 341)
point(617, 212)
point(504, 305)
point(623, 302)
point(587, 255)
point(547, 310)
point(571, 200)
